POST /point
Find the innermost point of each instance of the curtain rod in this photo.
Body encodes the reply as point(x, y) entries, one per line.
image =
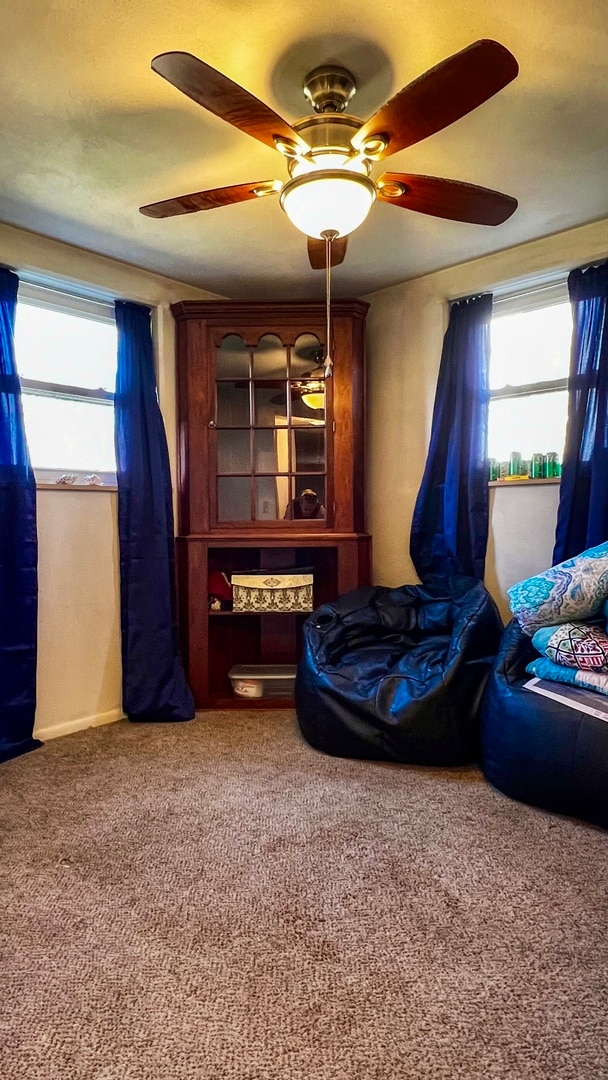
point(508, 292)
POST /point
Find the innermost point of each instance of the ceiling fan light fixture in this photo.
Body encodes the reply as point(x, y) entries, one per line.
point(375, 147)
point(312, 389)
point(315, 399)
point(330, 200)
point(391, 189)
point(330, 160)
point(286, 147)
point(270, 188)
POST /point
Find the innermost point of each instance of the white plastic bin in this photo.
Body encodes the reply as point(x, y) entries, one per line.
point(262, 680)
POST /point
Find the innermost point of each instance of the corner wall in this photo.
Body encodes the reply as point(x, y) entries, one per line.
point(79, 680)
point(405, 328)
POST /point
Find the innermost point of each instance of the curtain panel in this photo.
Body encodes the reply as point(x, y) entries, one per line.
point(582, 517)
point(18, 548)
point(154, 684)
point(450, 523)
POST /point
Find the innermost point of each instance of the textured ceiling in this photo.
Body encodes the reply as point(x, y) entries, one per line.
point(89, 133)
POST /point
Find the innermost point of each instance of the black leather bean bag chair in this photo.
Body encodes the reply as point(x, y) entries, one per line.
point(397, 674)
point(538, 750)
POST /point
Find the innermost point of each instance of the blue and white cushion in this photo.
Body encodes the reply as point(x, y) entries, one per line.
point(571, 591)
point(590, 680)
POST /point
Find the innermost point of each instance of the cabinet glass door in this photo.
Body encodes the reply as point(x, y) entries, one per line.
point(270, 430)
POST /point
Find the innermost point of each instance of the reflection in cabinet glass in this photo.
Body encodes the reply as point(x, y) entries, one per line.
point(267, 433)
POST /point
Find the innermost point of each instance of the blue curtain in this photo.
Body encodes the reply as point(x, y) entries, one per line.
point(450, 523)
point(18, 548)
point(582, 517)
point(154, 684)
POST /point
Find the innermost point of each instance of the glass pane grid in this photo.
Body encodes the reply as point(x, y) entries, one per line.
point(271, 447)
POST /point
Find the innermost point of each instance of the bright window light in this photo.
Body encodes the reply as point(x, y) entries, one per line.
point(69, 436)
point(534, 424)
point(528, 348)
point(53, 346)
point(65, 348)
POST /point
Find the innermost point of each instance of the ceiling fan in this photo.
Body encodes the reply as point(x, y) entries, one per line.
point(330, 154)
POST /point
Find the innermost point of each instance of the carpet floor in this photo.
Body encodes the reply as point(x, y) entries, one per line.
point(216, 900)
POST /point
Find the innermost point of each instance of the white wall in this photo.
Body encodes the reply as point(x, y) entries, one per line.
point(521, 536)
point(79, 668)
point(405, 328)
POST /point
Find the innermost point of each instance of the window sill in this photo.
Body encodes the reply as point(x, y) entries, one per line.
point(45, 486)
point(518, 483)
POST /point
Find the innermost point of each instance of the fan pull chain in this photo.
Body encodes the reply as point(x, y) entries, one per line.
point(329, 235)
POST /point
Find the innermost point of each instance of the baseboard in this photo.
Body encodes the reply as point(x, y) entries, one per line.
point(70, 726)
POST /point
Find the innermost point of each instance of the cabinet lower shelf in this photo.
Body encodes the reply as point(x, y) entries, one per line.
point(215, 641)
point(247, 614)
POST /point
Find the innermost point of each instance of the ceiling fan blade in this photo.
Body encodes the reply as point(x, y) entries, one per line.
point(225, 98)
point(316, 252)
point(209, 200)
point(442, 95)
point(451, 199)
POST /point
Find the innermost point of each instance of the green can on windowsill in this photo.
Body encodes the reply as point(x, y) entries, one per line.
point(551, 466)
point(515, 465)
point(537, 462)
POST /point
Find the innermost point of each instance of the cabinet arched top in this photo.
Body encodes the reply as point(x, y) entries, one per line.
point(269, 354)
point(307, 345)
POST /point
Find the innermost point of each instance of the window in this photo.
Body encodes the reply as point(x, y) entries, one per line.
point(65, 350)
point(530, 355)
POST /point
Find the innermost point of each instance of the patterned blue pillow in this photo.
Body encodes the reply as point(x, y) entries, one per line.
point(575, 645)
point(571, 591)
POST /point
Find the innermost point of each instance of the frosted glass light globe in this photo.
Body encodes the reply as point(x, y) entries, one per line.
point(335, 200)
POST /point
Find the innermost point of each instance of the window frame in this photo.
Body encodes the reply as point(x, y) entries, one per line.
point(33, 294)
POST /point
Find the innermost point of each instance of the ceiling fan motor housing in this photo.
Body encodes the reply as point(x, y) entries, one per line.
point(329, 88)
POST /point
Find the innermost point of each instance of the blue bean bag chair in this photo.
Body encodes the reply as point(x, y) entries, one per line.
point(397, 674)
point(539, 750)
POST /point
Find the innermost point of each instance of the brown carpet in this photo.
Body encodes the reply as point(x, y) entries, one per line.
point(216, 900)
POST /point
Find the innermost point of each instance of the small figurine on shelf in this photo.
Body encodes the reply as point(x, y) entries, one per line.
point(220, 591)
point(67, 479)
point(93, 480)
point(306, 505)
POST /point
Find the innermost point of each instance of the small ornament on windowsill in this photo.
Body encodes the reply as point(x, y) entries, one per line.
point(93, 480)
point(67, 478)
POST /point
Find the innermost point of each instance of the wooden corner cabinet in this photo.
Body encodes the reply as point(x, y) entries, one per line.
point(270, 472)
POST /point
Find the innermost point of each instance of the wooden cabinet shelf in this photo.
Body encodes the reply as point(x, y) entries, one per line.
point(265, 481)
point(245, 615)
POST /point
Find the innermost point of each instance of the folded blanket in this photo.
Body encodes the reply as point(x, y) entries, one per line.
point(571, 591)
point(546, 669)
point(574, 645)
